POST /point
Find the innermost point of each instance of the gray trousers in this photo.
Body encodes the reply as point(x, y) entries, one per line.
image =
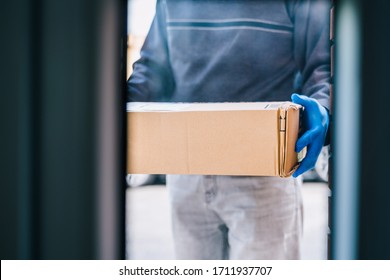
point(235, 217)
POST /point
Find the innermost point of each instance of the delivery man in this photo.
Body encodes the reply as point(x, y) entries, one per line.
point(234, 51)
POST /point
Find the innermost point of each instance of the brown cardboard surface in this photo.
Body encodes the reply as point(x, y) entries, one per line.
point(289, 160)
point(212, 138)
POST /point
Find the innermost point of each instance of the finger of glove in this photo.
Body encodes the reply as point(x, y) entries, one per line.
point(309, 161)
point(308, 138)
point(302, 100)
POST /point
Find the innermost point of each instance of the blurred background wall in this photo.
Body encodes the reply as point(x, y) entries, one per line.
point(360, 184)
point(62, 129)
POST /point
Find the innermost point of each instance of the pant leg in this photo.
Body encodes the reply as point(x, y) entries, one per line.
point(263, 216)
point(198, 231)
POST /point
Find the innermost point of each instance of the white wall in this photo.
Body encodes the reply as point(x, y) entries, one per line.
point(140, 14)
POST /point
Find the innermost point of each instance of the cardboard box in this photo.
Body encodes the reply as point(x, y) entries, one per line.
point(213, 138)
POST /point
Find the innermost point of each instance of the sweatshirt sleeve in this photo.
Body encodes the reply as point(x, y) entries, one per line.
point(152, 79)
point(312, 47)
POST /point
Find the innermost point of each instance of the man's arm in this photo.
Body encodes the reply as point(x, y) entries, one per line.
point(312, 48)
point(312, 54)
point(152, 79)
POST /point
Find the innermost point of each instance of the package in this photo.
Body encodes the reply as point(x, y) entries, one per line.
point(246, 139)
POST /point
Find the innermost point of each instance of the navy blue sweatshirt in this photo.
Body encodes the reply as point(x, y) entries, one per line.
point(234, 51)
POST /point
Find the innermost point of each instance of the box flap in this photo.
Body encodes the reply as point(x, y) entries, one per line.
point(202, 107)
point(288, 128)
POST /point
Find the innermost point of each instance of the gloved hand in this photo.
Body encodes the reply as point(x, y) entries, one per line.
point(316, 123)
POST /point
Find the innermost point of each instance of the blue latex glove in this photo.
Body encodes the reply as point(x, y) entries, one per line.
point(316, 123)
